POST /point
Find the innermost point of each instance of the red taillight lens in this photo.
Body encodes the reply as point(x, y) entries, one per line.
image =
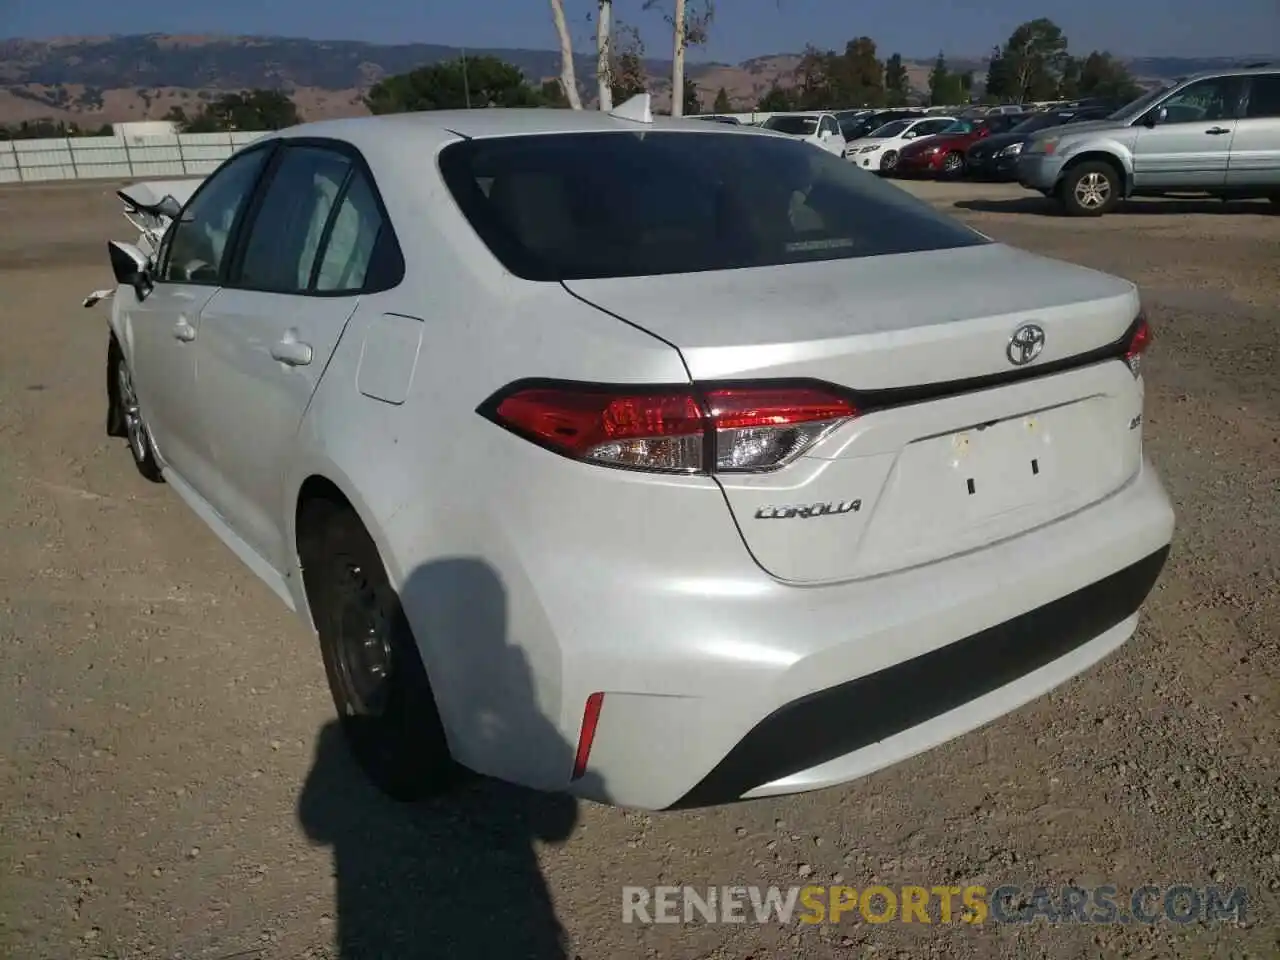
point(649, 431)
point(755, 427)
point(1139, 340)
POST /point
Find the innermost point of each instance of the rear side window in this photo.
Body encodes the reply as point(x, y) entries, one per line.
point(579, 206)
point(289, 224)
point(1264, 96)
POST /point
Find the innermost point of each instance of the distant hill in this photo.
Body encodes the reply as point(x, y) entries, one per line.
point(94, 80)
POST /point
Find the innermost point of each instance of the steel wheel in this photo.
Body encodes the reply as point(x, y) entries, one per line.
point(362, 648)
point(952, 163)
point(371, 659)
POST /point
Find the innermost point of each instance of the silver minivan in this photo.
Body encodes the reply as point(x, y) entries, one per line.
point(1216, 133)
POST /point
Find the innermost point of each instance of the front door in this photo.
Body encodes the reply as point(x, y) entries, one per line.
point(164, 326)
point(1190, 142)
point(267, 336)
point(1255, 149)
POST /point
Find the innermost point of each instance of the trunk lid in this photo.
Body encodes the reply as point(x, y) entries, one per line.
point(941, 459)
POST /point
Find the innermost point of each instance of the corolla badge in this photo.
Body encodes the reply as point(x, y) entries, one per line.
point(1025, 344)
point(809, 510)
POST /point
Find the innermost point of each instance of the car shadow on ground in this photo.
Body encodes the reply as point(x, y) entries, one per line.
point(458, 875)
point(1037, 205)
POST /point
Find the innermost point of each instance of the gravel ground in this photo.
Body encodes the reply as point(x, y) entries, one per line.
point(171, 784)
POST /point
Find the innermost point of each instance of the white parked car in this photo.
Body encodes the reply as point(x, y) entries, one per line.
point(663, 462)
point(879, 149)
point(820, 129)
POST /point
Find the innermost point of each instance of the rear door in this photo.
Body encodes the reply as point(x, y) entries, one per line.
point(1255, 148)
point(1190, 144)
point(266, 338)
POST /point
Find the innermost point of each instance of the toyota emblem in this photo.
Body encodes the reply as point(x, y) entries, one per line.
point(1025, 344)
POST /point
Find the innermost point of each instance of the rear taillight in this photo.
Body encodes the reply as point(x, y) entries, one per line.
point(730, 429)
point(1139, 340)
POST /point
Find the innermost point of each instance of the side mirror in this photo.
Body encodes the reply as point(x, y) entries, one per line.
point(1155, 116)
point(169, 207)
point(131, 267)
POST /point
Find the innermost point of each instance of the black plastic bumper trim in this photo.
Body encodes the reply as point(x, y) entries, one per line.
point(841, 719)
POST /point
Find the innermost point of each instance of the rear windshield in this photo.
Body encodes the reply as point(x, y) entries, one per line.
point(961, 126)
point(794, 125)
point(623, 204)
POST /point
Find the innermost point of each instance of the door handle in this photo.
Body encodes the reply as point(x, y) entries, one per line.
point(1217, 131)
point(293, 352)
point(184, 331)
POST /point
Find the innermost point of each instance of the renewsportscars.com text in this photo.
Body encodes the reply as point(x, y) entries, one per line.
point(811, 904)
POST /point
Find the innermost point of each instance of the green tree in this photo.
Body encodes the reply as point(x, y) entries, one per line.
point(945, 87)
point(1069, 82)
point(813, 75)
point(627, 75)
point(247, 110)
point(857, 76)
point(999, 84)
point(722, 104)
point(552, 95)
point(450, 85)
point(897, 86)
point(1034, 57)
point(692, 103)
point(776, 100)
point(1102, 75)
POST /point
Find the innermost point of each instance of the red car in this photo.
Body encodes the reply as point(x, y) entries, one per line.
point(943, 154)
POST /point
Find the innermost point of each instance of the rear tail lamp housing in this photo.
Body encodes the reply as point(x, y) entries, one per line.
point(673, 429)
point(1139, 340)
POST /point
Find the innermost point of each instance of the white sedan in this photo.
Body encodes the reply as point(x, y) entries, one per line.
point(663, 462)
point(879, 149)
point(820, 129)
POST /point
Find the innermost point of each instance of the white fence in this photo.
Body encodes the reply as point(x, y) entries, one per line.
point(120, 158)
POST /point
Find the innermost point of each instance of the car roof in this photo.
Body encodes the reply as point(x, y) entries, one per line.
point(437, 126)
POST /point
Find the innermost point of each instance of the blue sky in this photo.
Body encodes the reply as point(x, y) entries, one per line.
point(744, 28)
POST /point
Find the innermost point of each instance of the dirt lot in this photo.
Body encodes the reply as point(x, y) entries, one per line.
point(171, 785)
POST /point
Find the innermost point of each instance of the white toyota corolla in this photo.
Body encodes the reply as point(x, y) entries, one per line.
point(664, 462)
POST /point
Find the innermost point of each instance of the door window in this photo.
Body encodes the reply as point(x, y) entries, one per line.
point(829, 125)
point(289, 225)
point(197, 241)
point(1213, 99)
point(356, 237)
point(1264, 96)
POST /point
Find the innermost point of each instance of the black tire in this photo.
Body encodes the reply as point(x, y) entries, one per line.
point(953, 164)
point(124, 417)
point(376, 676)
point(1090, 189)
point(888, 162)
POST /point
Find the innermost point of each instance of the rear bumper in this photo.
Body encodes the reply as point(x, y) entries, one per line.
point(820, 739)
point(721, 682)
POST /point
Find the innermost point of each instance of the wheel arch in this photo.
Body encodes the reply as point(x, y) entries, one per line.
point(1103, 156)
point(329, 484)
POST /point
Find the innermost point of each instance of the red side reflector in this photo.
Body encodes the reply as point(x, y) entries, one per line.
point(590, 717)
